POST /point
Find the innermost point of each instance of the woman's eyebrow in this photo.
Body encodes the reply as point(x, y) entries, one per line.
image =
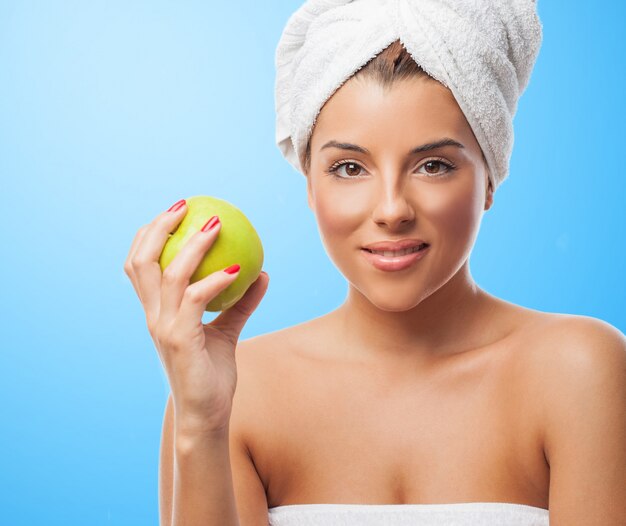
point(446, 141)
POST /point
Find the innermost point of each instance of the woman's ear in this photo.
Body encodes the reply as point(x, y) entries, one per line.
point(488, 195)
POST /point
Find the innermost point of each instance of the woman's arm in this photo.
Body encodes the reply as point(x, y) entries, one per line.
point(166, 465)
point(199, 360)
point(249, 490)
point(585, 423)
point(195, 480)
point(203, 483)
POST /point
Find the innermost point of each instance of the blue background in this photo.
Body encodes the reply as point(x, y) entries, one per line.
point(111, 111)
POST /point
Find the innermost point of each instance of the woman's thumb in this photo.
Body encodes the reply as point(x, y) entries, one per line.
point(232, 320)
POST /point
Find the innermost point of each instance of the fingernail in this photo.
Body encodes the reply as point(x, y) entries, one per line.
point(210, 223)
point(177, 206)
point(232, 269)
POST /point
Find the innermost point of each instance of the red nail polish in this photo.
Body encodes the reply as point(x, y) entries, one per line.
point(211, 223)
point(177, 206)
point(232, 269)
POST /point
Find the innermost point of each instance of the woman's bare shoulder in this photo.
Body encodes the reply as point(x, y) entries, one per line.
point(266, 371)
point(582, 343)
point(265, 357)
point(558, 333)
point(542, 346)
point(567, 354)
point(581, 374)
point(547, 338)
point(554, 329)
point(285, 341)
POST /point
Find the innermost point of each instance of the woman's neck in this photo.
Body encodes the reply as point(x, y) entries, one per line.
point(456, 317)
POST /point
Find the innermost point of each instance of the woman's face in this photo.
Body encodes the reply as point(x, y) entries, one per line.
point(388, 193)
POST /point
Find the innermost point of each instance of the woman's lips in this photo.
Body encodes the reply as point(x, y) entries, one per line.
point(389, 263)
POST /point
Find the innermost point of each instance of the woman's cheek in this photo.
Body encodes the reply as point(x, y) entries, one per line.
point(339, 216)
point(455, 217)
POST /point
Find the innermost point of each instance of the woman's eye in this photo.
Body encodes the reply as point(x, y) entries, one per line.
point(351, 170)
point(428, 165)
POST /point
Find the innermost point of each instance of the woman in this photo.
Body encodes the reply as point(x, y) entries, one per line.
point(422, 399)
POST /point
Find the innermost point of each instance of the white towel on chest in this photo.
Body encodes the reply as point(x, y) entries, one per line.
point(458, 514)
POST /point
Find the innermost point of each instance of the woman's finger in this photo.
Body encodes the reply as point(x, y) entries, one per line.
point(178, 273)
point(231, 321)
point(197, 296)
point(145, 262)
point(128, 268)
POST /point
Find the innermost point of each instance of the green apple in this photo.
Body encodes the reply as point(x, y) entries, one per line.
point(237, 242)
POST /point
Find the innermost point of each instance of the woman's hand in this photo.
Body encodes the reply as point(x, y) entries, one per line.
point(199, 359)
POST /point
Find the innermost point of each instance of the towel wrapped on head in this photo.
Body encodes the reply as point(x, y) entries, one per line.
point(483, 51)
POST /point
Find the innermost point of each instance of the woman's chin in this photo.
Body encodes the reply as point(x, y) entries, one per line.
point(389, 302)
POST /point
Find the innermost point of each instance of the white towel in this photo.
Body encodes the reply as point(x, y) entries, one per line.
point(455, 514)
point(482, 50)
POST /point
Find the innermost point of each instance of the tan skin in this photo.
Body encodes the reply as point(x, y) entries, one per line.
point(421, 387)
point(406, 347)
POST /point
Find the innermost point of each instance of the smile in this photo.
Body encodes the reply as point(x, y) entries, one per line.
point(396, 253)
point(395, 260)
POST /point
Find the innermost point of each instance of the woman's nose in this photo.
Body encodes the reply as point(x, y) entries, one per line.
point(393, 207)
